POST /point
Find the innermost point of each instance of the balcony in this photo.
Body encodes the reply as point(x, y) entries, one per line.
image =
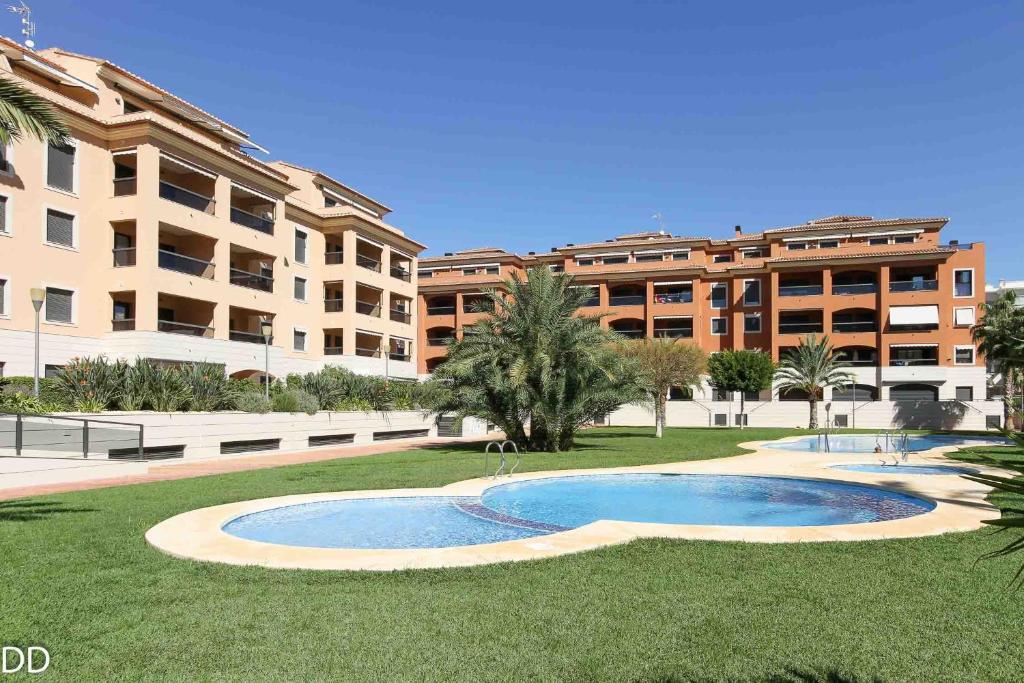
point(591, 302)
point(801, 290)
point(441, 305)
point(402, 274)
point(333, 305)
point(333, 351)
point(125, 187)
point(333, 258)
point(858, 288)
point(193, 200)
point(169, 260)
point(369, 345)
point(398, 355)
point(368, 263)
point(245, 278)
point(917, 285)
point(124, 257)
point(400, 316)
point(368, 308)
point(801, 322)
point(122, 324)
point(252, 209)
point(800, 328)
point(247, 337)
point(125, 172)
point(188, 329)
point(630, 328)
point(673, 297)
point(674, 331)
point(251, 220)
point(854, 326)
point(440, 336)
point(627, 300)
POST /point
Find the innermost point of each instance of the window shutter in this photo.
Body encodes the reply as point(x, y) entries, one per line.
point(60, 167)
point(60, 228)
point(300, 246)
point(300, 289)
point(4, 164)
point(58, 305)
point(3, 214)
point(299, 341)
point(3, 297)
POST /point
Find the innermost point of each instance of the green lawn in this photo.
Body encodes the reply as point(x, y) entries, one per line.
point(77, 576)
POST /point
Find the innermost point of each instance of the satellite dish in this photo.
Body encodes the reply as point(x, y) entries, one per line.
point(30, 43)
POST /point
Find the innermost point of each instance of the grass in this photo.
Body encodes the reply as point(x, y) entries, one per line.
point(77, 576)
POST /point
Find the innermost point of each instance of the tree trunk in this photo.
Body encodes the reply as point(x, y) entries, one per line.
point(813, 423)
point(743, 409)
point(659, 415)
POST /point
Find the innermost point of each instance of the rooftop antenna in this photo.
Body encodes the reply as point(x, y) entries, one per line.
point(28, 27)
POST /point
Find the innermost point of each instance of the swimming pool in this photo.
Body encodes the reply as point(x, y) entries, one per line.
point(866, 443)
point(538, 507)
point(876, 468)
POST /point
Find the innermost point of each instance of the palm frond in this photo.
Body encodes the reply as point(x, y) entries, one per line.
point(23, 112)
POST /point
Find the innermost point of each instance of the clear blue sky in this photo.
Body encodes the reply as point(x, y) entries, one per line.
point(527, 125)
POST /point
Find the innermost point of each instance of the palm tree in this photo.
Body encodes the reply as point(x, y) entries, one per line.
point(661, 365)
point(810, 368)
point(24, 112)
point(533, 362)
point(1000, 337)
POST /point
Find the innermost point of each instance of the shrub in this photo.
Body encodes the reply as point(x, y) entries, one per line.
point(18, 402)
point(90, 384)
point(251, 402)
point(49, 393)
point(206, 384)
point(294, 401)
point(166, 389)
point(136, 382)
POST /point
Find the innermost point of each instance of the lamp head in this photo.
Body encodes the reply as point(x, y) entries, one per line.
point(38, 296)
point(266, 326)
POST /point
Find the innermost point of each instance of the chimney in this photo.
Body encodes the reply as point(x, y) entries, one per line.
point(739, 230)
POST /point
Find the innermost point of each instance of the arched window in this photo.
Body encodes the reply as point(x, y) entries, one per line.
point(914, 392)
point(855, 392)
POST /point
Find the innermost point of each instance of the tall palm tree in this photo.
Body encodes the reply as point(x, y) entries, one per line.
point(533, 362)
point(22, 112)
point(810, 368)
point(1000, 337)
point(661, 365)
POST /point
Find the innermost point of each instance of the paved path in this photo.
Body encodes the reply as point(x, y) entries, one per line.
point(165, 471)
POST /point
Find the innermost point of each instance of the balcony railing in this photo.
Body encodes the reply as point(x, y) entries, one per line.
point(367, 352)
point(592, 301)
point(124, 187)
point(801, 328)
point(673, 298)
point(801, 290)
point(907, 362)
point(859, 362)
point(243, 278)
point(856, 288)
point(440, 310)
point(333, 258)
point(439, 341)
point(124, 257)
point(122, 324)
point(674, 332)
point(188, 198)
point(401, 274)
point(368, 308)
point(248, 337)
point(333, 305)
point(914, 286)
point(180, 263)
point(627, 300)
point(251, 220)
point(395, 355)
point(368, 263)
point(632, 334)
point(400, 316)
point(332, 350)
point(188, 329)
point(855, 326)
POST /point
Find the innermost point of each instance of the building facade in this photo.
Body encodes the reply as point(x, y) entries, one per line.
point(155, 234)
point(897, 302)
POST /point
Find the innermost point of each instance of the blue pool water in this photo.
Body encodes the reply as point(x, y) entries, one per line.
point(865, 443)
point(905, 469)
point(534, 508)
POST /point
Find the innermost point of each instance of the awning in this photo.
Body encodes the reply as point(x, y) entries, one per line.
point(925, 345)
point(254, 193)
point(673, 284)
point(187, 165)
point(963, 316)
point(914, 315)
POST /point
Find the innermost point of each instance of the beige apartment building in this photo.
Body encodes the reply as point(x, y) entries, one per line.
point(155, 234)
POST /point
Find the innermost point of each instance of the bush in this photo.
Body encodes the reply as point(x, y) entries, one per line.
point(18, 402)
point(49, 393)
point(136, 382)
point(295, 401)
point(167, 390)
point(90, 384)
point(206, 384)
point(251, 402)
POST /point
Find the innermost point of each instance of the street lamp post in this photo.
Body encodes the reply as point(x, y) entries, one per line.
point(267, 328)
point(38, 297)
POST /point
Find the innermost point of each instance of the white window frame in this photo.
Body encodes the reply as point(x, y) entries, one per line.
point(74, 305)
point(305, 333)
point(5, 302)
point(960, 347)
point(760, 286)
point(760, 323)
point(723, 332)
point(7, 229)
point(74, 174)
point(74, 227)
point(305, 289)
point(305, 232)
point(974, 283)
point(711, 296)
point(964, 308)
point(798, 246)
point(822, 246)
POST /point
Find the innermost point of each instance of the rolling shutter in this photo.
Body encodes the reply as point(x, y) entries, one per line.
point(3, 214)
point(58, 305)
point(3, 297)
point(914, 392)
point(300, 246)
point(60, 167)
point(299, 341)
point(300, 289)
point(60, 228)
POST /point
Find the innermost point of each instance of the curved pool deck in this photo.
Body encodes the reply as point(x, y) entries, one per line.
point(959, 506)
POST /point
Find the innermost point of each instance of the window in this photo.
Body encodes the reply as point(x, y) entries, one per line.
point(50, 371)
point(796, 246)
point(299, 340)
point(5, 216)
point(469, 271)
point(615, 260)
point(131, 107)
point(300, 288)
point(585, 262)
point(993, 422)
point(5, 158)
point(878, 241)
point(122, 310)
point(751, 395)
point(758, 252)
point(963, 317)
point(914, 392)
point(60, 228)
point(963, 282)
point(60, 167)
point(720, 394)
point(328, 202)
point(719, 295)
point(647, 258)
point(425, 274)
point(491, 270)
point(59, 305)
point(751, 292)
point(556, 268)
point(719, 326)
point(3, 298)
point(680, 394)
point(721, 258)
point(752, 323)
point(903, 239)
point(681, 256)
point(965, 393)
point(963, 355)
point(300, 246)
point(828, 244)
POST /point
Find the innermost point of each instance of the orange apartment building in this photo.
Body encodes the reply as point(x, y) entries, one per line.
point(897, 302)
point(156, 233)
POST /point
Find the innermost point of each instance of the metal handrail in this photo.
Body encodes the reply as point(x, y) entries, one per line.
point(801, 290)
point(174, 327)
point(673, 297)
point(124, 257)
point(251, 220)
point(191, 266)
point(245, 336)
point(19, 430)
point(501, 458)
point(627, 300)
point(439, 341)
point(122, 324)
point(855, 288)
point(900, 363)
point(440, 310)
point(670, 332)
point(790, 328)
point(368, 263)
point(368, 308)
point(333, 305)
point(913, 285)
point(210, 201)
point(401, 274)
point(255, 280)
point(400, 316)
point(632, 334)
point(855, 326)
point(333, 350)
point(368, 353)
point(334, 257)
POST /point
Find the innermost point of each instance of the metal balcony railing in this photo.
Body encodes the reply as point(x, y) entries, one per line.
point(124, 187)
point(400, 316)
point(248, 337)
point(395, 355)
point(332, 305)
point(801, 290)
point(673, 297)
point(632, 334)
point(855, 288)
point(180, 195)
point(333, 350)
point(243, 278)
point(368, 263)
point(914, 285)
point(368, 308)
point(124, 257)
point(251, 220)
point(674, 332)
point(333, 258)
point(368, 352)
point(855, 326)
point(907, 362)
point(591, 302)
point(188, 329)
point(801, 328)
point(439, 341)
point(859, 362)
point(440, 310)
point(122, 324)
point(180, 263)
point(401, 274)
point(627, 300)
